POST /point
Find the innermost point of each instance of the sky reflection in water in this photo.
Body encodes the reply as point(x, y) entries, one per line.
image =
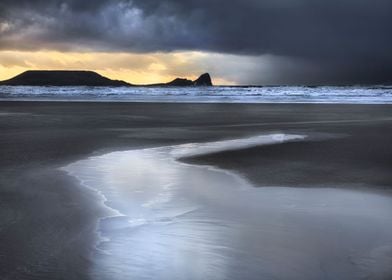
point(181, 221)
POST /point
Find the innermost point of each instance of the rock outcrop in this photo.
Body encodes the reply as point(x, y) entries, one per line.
point(203, 80)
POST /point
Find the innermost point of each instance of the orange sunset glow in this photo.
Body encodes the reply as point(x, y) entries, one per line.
point(129, 67)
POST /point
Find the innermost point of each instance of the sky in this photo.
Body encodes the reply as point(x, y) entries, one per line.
point(258, 42)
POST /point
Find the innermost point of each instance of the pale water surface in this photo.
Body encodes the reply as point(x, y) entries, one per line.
point(277, 94)
point(170, 220)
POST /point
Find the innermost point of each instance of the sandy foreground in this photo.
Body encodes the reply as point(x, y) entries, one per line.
point(48, 219)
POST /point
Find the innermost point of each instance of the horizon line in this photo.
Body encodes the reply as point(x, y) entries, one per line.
point(190, 79)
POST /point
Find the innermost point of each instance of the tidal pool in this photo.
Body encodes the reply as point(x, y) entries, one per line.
point(171, 220)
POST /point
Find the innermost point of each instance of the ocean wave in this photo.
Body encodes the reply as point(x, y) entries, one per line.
point(283, 94)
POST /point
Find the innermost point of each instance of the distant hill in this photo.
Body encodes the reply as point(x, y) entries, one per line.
point(203, 80)
point(87, 78)
point(61, 78)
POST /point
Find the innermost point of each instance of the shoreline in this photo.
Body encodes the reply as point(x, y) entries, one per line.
point(195, 101)
point(219, 95)
point(43, 205)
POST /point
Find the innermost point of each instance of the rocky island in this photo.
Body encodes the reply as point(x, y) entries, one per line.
point(87, 78)
point(203, 80)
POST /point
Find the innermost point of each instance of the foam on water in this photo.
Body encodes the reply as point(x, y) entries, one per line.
point(182, 221)
point(282, 94)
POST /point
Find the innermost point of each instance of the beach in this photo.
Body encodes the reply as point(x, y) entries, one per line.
point(49, 219)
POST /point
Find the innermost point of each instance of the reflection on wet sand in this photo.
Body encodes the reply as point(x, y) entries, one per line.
point(182, 221)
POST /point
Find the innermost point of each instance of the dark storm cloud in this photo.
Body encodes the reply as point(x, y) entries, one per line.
point(345, 41)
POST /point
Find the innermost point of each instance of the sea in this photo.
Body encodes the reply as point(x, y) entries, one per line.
point(218, 94)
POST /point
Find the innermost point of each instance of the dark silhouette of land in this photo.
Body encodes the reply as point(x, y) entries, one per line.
point(203, 80)
point(61, 78)
point(87, 78)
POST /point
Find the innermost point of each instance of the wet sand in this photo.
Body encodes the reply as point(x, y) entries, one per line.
point(170, 220)
point(48, 219)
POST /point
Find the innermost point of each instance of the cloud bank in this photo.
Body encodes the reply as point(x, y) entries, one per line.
point(303, 41)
